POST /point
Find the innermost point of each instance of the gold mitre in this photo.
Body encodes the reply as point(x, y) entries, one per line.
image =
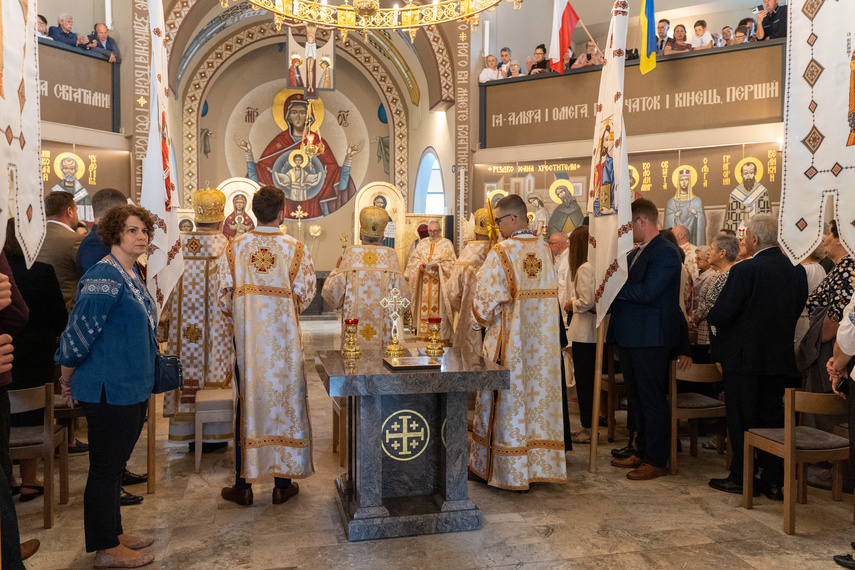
point(373, 221)
point(482, 222)
point(208, 205)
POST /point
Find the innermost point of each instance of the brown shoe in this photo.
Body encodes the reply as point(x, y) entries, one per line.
point(631, 462)
point(646, 472)
point(29, 548)
point(106, 561)
point(282, 495)
point(240, 496)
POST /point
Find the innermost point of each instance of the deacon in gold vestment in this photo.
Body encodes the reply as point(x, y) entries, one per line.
point(363, 276)
point(428, 268)
point(266, 281)
point(518, 434)
point(461, 285)
point(197, 331)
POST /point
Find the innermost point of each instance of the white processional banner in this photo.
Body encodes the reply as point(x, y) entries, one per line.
point(819, 124)
point(610, 196)
point(159, 195)
point(19, 116)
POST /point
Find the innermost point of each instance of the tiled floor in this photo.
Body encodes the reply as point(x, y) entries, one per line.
point(599, 520)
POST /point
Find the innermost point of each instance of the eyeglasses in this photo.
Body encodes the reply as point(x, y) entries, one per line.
point(540, 53)
point(500, 218)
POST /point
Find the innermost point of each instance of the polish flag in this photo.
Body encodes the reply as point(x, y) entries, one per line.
point(564, 19)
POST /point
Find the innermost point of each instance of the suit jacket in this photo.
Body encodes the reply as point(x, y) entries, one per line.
point(112, 46)
point(91, 251)
point(646, 311)
point(755, 315)
point(57, 34)
point(60, 250)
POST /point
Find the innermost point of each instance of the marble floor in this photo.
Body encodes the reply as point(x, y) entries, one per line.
point(599, 520)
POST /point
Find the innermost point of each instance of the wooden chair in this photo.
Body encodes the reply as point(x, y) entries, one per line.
point(212, 406)
point(798, 446)
point(614, 387)
point(692, 406)
point(39, 442)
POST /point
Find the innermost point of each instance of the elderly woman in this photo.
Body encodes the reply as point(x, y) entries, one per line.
point(722, 256)
point(107, 353)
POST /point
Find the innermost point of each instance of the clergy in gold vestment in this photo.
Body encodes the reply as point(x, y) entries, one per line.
point(197, 331)
point(461, 285)
point(266, 281)
point(363, 276)
point(428, 268)
point(518, 434)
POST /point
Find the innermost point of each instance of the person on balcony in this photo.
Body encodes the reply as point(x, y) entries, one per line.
point(104, 44)
point(591, 57)
point(62, 33)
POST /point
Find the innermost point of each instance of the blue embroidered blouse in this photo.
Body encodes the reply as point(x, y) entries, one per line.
point(110, 339)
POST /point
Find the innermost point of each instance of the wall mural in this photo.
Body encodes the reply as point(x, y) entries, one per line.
point(267, 149)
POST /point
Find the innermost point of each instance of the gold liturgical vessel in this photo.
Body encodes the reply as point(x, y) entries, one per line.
point(350, 350)
point(434, 348)
point(394, 304)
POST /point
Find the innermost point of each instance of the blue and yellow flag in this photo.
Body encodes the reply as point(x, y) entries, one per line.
point(647, 22)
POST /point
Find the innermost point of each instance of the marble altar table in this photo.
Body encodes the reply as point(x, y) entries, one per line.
point(407, 443)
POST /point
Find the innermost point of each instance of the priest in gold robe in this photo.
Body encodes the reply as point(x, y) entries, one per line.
point(461, 285)
point(428, 270)
point(363, 276)
point(518, 435)
point(266, 280)
point(196, 329)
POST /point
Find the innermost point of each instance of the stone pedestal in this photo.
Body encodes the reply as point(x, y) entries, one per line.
point(407, 443)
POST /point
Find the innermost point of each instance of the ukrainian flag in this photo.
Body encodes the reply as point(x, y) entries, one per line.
point(647, 22)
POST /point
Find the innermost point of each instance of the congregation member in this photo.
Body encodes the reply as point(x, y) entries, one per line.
point(107, 353)
point(266, 279)
point(703, 38)
point(740, 35)
point(727, 35)
point(645, 325)
point(42, 28)
point(515, 70)
point(461, 285)
point(679, 43)
point(754, 321)
point(63, 34)
point(591, 57)
point(681, 233)
point(662, 38)
point(363, 276)
point(196, 329)
point(92, 249)
point(750, 25)
point(771, 21)
point(559, 246)
point(505, 62)
point(568, 60)
point(541, 62)
point(491, 72)
point(529, 65)
point(61, 242)
point(427, 272)
point(515, 300)
point(815, 275)
point(104, 44)
point(705, 273)
point(722, 257)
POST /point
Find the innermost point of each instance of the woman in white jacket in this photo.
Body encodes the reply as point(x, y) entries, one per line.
point(582, 330)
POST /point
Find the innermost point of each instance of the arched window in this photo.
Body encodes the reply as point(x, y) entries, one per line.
point(430, 193)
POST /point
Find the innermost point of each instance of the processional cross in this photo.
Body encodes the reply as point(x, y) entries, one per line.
point(394, 303)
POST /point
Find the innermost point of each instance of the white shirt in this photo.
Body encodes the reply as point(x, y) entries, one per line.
point(488, 74)
point(66, 226)
point(703, 40)
point(562, 274)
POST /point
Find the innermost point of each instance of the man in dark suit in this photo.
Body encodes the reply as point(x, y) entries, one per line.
point(104, 44)
point(92, 249)
point(645, 326)
point(753, 324)
point(61, 242)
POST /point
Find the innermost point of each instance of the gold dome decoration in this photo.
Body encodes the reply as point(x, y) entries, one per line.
point(482, 222)
point(209, 205)
point(373, 221)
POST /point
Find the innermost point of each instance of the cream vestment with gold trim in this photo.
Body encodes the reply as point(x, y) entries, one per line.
point(427, 285)
point(266, 281)
point(518, 434)
point(461, 288)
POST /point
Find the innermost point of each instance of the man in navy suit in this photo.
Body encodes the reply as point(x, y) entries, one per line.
point(645, 325)
point(755, 322)
point(104, 44)
point(63, 34)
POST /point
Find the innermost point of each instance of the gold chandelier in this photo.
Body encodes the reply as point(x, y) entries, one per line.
point(366, 15)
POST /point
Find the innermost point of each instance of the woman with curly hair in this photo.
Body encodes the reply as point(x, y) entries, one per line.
point(107, 353)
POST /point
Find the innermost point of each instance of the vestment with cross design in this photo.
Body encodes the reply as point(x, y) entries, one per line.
point(461, 288)
point(518, 434)
point(428, 285)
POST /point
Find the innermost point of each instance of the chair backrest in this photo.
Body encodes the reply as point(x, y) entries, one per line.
point(28, 399)
point(697, 373)
point(822, 404)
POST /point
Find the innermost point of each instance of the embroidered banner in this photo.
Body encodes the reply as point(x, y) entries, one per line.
point(609, 195)
point(819, 125)
point(19, 115)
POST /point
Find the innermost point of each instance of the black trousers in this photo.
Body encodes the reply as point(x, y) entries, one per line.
point(584, 360)
point(645, 373)
point(113, 432)
point(10, 541)
point(754, 401)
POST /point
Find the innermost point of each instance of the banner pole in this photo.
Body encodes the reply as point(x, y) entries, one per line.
point(590, 37)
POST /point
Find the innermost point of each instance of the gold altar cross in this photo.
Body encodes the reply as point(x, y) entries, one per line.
point(394, 303)
point(299, 214)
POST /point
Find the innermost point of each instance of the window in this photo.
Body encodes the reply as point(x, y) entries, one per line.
point(430, 193)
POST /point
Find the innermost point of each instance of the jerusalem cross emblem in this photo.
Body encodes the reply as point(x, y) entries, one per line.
point(262, 260)
point(532, 265)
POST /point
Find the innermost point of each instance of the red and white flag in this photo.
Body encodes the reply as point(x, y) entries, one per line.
point(564, 20)
point(610, 196)
point(159, 194)
point(20, 157)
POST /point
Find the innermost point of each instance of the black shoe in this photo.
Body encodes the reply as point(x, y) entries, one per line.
point(78, 447)
point(773, 491)
point(623, 452)
point(728, 485)
point(845, 560)
point(128, 499)
point(133, 479)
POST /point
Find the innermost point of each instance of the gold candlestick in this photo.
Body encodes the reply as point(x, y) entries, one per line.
point(394, 303)
point(434, 348)
point(350, 350)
